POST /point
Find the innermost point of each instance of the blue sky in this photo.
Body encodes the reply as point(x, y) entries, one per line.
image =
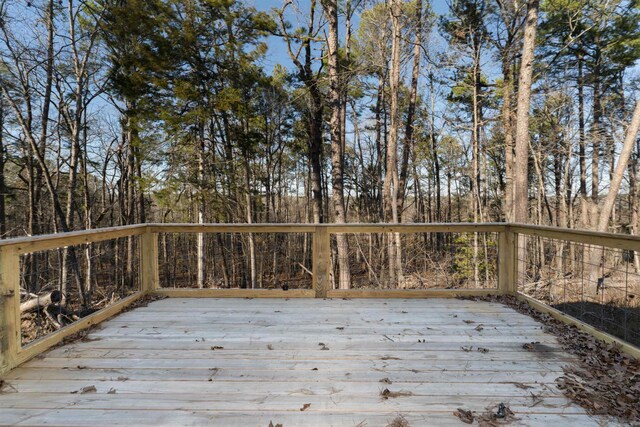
point(277, 53)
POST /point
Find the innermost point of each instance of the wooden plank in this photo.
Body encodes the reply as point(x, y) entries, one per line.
point(337, 305)
point(250, 374)
point(149, 271)
point(234, 293)
point(294, 417)
point(9, 308)
point(286, 318)
point(464, 227)
point(461, 227)
point(612, 240)
point(231, 228)
point(408, 293)
point(169, 344)
point(36, 347)
point(44, 242)
point(232, 389)
point(557, 314)
point(313, 354)
point(536, 364)
point(321, 262)
point(258, 402)
point(358, 330)
point(507, 258)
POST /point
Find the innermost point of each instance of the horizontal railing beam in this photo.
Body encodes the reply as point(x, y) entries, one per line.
point(463, 227)
point(231, 228)
point(612, 240)
point(24, 245)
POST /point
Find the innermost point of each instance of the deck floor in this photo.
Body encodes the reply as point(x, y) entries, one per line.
point(249, 362)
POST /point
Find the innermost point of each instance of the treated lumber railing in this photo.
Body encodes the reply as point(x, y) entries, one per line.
point(508, 263)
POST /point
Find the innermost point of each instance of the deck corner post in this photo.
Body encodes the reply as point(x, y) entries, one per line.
point(507, 262)
point(321, 261)
point(9, 309)
point(149, 261)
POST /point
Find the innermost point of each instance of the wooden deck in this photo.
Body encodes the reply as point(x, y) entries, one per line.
point(249, 362)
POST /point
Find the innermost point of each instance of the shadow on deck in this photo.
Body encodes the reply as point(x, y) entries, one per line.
point(252, 362)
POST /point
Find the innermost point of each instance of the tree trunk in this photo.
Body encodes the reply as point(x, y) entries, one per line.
point(3, 188)
point(507, 128)
point(614, 187)
point(337, 155)
point(200, 279)
point(411, 111)
point(391, 182)
point(584, 204)
point(521, 173)
point(520, 209)
point(252, 244)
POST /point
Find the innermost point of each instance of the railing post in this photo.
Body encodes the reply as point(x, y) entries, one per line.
point(149, 261)
point(321, 261)
point(9, 309)
point(507, 261)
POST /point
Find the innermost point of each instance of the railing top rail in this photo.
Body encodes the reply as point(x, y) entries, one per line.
point(230, 228)
point(332, 228)
point(43, 242)
point(52, 241)
point(596, 238)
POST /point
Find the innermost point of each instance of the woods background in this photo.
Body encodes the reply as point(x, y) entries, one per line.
point(118, 112)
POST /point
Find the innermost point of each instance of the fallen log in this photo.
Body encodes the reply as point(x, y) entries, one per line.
point(41, 301)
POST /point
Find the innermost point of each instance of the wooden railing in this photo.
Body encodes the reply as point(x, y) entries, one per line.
point(12, 352)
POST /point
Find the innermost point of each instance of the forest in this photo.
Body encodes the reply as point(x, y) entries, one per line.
point(116, 112)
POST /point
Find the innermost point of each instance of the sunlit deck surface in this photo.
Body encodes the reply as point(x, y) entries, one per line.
point(249, 362)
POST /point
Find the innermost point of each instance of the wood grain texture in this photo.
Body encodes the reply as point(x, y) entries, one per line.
point(9, 308)
point(245, 362)
point(44, 242)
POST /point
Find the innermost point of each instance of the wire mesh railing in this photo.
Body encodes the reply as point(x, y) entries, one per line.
point(60, 286)
point(426, 260)
point(49, 282)
point(595, 284)
point(235, 260)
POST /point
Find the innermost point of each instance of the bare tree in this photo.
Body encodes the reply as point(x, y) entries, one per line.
point(337, 154)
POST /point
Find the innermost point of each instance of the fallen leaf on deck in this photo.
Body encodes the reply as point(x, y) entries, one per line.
point(386, 393)
point(87, 389)
point(500, 415)
point(305, 406)
point(522, 386)
point(464, 415)
point(399, 421)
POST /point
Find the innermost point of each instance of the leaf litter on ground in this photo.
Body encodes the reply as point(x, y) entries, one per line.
point(604, 380)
